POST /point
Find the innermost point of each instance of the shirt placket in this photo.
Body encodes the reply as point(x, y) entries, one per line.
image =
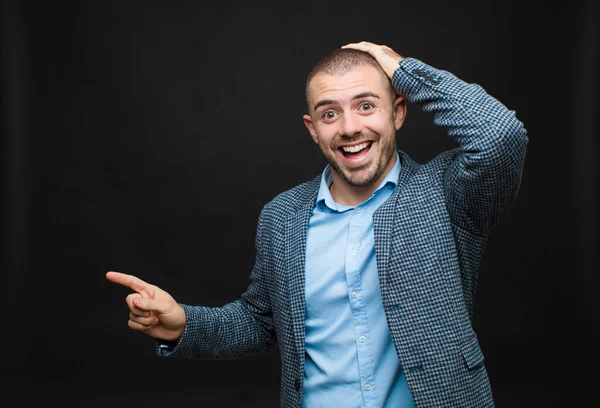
point(358, 306)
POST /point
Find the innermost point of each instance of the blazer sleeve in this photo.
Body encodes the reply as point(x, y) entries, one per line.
point(482, 181)
point(238, 329)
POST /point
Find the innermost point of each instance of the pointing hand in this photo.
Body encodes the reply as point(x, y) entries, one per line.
point(152, 310)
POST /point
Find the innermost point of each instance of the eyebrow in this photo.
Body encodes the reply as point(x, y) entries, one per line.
point(358, 96)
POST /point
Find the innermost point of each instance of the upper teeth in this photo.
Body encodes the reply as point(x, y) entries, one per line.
point(354, 149)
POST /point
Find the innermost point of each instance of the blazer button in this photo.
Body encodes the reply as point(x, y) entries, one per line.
point(297, 384)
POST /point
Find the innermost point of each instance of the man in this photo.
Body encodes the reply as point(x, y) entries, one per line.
point(366, 275)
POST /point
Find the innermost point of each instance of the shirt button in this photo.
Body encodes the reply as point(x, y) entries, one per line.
point(358, 209)
point(352, 252)
point(353, 294)
point(361, 338)
point(368, 387)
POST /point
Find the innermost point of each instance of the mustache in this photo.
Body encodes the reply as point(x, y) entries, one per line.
point(356, 139)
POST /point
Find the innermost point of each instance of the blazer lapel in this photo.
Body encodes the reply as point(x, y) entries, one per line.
point(385, 217)
point(296, 229)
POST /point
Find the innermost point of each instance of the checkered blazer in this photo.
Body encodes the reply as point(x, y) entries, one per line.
point(429, 238)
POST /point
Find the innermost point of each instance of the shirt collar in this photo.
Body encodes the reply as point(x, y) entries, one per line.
point(324, 197)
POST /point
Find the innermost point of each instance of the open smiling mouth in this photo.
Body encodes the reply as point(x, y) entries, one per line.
point(355, 152)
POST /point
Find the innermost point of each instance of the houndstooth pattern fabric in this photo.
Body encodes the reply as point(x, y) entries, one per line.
point(429, 236)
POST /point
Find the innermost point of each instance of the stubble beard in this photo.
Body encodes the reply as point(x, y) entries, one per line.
point(365, 175)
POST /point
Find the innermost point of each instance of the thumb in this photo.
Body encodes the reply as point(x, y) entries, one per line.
point(152, 305)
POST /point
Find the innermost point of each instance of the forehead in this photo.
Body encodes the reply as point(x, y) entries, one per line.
point(344, 86)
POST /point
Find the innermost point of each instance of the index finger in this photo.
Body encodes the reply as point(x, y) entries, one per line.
point(130, 281)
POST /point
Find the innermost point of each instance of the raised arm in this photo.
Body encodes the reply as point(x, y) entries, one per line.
point(483, 179)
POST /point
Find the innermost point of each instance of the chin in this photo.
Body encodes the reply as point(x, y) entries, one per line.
point(361, 180)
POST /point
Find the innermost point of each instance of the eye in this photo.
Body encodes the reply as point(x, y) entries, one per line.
point(367, 106)
point(329, 115)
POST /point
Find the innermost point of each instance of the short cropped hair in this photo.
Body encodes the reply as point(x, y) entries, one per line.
point(340, 62)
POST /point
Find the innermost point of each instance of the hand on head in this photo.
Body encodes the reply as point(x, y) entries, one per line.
point(385, 56)
point(152, 310)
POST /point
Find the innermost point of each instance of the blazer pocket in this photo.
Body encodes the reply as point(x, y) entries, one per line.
point(472, 353)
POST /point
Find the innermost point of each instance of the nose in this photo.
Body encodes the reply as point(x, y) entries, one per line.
point(350, 125)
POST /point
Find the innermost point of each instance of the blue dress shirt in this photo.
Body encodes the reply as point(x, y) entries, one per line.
point(350, 358)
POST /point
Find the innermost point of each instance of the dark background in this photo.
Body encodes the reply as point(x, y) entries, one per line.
point(144, 137)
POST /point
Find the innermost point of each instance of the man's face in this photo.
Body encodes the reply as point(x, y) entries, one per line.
point(353, 118)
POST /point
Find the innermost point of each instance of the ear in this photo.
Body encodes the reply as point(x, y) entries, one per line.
point(399, 111)
point(308, 122)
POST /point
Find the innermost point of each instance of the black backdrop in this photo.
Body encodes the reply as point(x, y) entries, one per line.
point(144, 137)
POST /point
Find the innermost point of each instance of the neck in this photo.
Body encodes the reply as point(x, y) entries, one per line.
point(345, 194)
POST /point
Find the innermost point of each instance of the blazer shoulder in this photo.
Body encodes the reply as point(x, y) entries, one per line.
point(291, 200)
